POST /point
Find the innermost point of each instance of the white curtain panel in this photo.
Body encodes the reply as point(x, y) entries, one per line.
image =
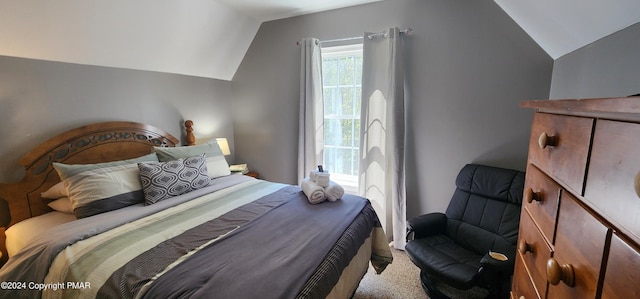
point(382, 139)
point(311, 133)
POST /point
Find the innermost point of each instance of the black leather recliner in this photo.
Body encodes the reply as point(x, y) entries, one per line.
point(483, 216)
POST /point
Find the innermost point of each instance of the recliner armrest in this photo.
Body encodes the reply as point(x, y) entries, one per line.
point(426, 225)
point(494, 274)
point(501, 266)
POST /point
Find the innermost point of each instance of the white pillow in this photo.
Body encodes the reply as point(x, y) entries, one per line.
point(103, 187)
point(62, 204)
point(217, 165)
point(56, 191)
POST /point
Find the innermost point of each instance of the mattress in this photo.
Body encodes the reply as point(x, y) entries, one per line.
point(21, 234)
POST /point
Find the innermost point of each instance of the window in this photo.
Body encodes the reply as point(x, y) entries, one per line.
point(342, 91)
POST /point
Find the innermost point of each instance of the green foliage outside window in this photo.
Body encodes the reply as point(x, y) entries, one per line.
point(342, 91)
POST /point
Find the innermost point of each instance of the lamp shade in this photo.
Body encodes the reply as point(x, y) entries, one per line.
point(224, 146)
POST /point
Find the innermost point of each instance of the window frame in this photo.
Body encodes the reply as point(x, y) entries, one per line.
point(349, 182)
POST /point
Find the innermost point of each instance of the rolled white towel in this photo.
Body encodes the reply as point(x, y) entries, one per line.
point(314, 193)
point(334, 192)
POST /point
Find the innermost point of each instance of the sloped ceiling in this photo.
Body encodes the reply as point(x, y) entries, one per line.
point(267, 10)
point(201, 38)
point(208, 38)
point(563, 26)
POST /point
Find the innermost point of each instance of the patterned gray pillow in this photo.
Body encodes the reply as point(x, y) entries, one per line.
point(162, 180)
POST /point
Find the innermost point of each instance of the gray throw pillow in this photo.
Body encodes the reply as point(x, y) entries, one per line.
point(162, 180)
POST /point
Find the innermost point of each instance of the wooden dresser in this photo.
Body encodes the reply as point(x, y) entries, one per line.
point(580, 223)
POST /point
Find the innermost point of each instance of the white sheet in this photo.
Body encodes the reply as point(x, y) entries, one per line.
point(21, 233)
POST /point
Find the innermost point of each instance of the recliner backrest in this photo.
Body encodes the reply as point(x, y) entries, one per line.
point(484, 212)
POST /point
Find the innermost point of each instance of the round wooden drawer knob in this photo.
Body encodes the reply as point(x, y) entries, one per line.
point(545, 140)
point(524, 247)
point(557, 273)
point(530, 196)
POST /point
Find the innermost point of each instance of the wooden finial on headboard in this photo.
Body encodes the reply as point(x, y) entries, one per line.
point(191, 138)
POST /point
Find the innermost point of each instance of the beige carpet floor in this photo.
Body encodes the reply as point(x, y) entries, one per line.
point(401, 280)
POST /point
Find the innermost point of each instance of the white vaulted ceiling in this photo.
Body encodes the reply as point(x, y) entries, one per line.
point(208, 38)
point(563, 26)
point(267, 10)
point(193, 37)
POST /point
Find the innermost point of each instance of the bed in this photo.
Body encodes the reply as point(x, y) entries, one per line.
point(118, 225)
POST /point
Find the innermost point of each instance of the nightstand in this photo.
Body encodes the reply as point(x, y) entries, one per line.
point(253, 174)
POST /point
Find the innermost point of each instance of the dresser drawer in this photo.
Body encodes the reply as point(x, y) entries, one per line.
point(522, 285)
point(622, 277)
point(559, 146)
point(580, 243)
point(613, 182)
point(534, 252)
point(541, 197)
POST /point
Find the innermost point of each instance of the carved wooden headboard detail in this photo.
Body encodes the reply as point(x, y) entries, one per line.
point(94, 143)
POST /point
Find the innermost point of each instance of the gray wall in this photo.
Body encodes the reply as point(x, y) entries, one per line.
point(469, 66)
point(39, 99)
point(609, 67)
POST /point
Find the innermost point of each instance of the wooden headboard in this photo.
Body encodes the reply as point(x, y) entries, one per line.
point(94, 143)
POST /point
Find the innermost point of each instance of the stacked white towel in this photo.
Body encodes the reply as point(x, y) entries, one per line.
point(334, 191)
point(314, 192)
point(318, 188)
point(320, 178)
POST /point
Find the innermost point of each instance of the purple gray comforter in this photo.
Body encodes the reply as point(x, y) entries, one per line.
point(248, 239)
